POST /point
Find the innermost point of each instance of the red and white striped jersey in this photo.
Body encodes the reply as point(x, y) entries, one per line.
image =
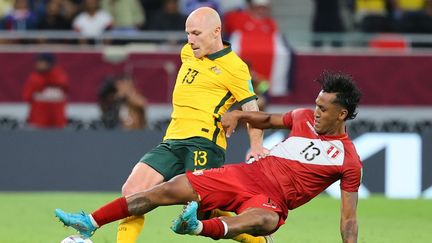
point(306, 163)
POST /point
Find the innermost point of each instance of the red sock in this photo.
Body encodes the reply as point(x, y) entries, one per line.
point(213, 228)
point(111, 212)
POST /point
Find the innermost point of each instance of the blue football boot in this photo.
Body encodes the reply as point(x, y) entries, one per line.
point(187, 222)
point(78, 221)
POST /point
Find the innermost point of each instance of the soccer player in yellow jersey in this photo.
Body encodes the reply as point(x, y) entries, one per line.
point(212, 77)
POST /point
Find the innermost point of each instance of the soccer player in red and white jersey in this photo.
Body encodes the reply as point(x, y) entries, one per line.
point(317, 153)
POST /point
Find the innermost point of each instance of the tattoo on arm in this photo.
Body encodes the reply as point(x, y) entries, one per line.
point(349, 232)
point(139, 205)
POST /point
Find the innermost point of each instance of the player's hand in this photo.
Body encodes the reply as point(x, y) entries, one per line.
point(256, 154)
point(229, 122)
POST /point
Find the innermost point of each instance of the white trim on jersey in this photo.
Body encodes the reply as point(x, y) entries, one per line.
point(310, 151)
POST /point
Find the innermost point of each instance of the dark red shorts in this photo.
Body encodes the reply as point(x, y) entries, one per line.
point(233, 189)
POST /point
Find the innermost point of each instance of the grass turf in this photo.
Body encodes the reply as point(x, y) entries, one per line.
point(29, 218)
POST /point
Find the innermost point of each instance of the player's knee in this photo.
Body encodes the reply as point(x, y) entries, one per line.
point(142, 177)
point(126, 189)
point(131, 187)
point(135, 184)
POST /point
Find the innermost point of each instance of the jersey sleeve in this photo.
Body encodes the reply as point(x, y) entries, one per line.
point(288, 120)
point(240, 84)
point(351, 179)
point(186, 52)
point(33, 84)
point(296, 116)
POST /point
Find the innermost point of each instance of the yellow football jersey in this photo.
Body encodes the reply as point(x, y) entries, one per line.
point(205, 89)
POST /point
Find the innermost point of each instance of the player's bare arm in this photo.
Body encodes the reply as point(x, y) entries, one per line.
point(256, 119)
point(348, 221)
point(257, 150)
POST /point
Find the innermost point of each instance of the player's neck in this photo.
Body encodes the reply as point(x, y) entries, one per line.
point(218, 47)
point(337, 130)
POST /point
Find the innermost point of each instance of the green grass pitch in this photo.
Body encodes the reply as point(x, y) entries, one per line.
point(29, 218)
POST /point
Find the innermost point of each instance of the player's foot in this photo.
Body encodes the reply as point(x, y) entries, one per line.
point(78, 221)
point(269, 239)
point(187, 222)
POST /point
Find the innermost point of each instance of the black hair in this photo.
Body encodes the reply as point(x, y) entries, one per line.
point(47, 57)
point(107, 88)
point(347, 93)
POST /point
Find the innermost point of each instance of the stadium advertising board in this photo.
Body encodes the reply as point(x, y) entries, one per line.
point(398, 165)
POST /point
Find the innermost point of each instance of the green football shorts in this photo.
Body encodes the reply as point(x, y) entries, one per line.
point(174, 157)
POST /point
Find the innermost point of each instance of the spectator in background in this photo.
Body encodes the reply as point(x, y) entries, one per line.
point(231, 5)
point(256, 18)
point(53, 19)
point(70, 9)
point(168, 18)
point(93, 21)
point(122, 105)
point(417, 21)
point(327, 19)
point(187, 6)
point(20, 17)
point(128, 15)
point(151, 7)
point(255, 36)
point(5, 7)
point(402, 8)
point(46, 90)
point(38, 7)
point(373, 16)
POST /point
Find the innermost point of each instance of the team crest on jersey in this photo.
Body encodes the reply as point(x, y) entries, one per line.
point(198, 172)
point(332, 152)
point(216, 70)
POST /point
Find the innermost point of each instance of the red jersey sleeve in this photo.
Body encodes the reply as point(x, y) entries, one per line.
point(58, 77)
point(296, 116)
point(288, 119)
point(351, 178)
point(33, 84)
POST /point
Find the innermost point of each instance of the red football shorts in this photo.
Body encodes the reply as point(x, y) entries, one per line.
point(233, 189)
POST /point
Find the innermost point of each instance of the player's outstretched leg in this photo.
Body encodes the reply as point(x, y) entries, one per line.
point(129, 229)
point(79, 221)
point(254, 221)
point(187, 222)
point(243, 238)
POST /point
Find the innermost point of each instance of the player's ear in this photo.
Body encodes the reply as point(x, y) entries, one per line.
point(343, 114)
point(217, 32)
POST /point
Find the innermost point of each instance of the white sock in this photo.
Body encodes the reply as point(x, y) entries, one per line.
point(198, 230)
point(225, 227)
point(94, 223)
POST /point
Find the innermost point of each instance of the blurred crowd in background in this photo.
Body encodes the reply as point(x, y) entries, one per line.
point(92, 17)
point(248, 24)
